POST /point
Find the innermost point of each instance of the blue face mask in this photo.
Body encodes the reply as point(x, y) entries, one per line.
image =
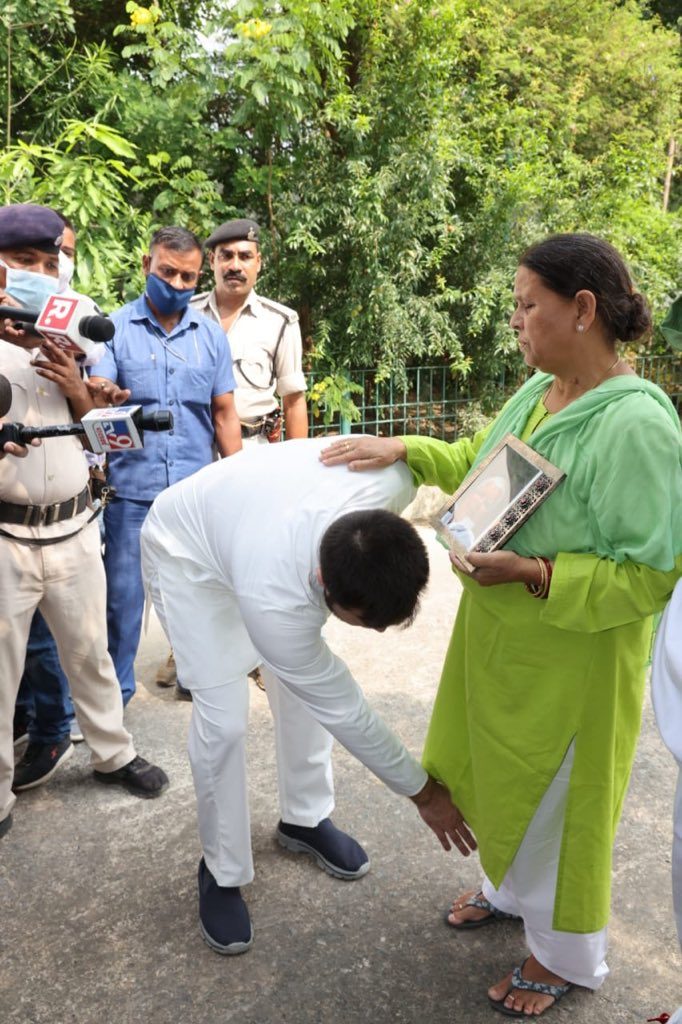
point(166, 298)
point(29, 288)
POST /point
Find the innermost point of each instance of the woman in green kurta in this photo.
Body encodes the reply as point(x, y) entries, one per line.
point(539, 706)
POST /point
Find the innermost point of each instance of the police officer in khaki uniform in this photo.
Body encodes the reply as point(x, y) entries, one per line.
point(49, 544)
point(265, 336)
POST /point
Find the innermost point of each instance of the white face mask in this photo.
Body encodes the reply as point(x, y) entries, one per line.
point(66, 269)
point(28, 287)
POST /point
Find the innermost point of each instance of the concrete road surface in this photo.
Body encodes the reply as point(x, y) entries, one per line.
point(98, 907)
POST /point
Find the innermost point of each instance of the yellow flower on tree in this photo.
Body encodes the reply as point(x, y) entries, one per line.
point(255, 28)
point(143, 17)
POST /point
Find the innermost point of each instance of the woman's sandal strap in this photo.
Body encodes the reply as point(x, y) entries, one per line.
point(557, 991)
point(482, 903)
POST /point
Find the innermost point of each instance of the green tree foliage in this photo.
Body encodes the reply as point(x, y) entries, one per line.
point(399, 154)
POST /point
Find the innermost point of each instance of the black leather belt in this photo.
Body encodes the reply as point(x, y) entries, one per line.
point(43, 515)
point(265, 425)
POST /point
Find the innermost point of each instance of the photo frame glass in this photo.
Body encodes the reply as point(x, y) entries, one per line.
point(496, 498)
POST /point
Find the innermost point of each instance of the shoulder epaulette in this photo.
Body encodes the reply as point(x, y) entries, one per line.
point(290, 315)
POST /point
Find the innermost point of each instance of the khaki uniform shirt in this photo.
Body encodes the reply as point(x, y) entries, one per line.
point(253, 338)
point(57, 470)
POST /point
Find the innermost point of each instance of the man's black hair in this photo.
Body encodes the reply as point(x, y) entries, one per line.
point(374, 563)
point(177, 239)
point(65, 221)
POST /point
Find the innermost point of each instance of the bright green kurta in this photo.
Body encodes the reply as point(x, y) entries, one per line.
point(524, 677)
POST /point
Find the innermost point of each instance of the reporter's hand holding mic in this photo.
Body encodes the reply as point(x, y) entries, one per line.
point(59, 366)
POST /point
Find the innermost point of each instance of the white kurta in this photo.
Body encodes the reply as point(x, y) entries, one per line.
point(666, 694)
point(230, 556)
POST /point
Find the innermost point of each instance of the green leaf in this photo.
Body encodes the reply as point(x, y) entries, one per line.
point(260, 93)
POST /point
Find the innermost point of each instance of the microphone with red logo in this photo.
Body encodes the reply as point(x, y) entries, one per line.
point(71, 323)
point(108, 430)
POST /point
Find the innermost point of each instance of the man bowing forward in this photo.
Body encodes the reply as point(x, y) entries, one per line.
point(244, 561)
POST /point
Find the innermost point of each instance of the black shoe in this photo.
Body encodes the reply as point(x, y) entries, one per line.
point(5, 825)
point(182, 693)
point(223, 917)
point(335, 852)
point(39, 763)
point(138, 776)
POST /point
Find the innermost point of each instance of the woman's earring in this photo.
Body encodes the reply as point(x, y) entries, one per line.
point(580, 327)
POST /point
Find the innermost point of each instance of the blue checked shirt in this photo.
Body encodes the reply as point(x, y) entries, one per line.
point(181, 371)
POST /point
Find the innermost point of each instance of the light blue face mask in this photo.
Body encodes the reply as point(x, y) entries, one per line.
point(28, 287)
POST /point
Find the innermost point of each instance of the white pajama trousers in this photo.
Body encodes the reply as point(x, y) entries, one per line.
point(529, 886)
point(210, 641)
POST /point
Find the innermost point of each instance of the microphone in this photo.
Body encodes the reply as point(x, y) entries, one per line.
point(5, 396)
point(71, 323)
point(107, 430)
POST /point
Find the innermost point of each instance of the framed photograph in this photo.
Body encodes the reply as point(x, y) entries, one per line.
point(496, 498)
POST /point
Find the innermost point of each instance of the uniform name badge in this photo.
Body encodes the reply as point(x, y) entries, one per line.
point(496, 498)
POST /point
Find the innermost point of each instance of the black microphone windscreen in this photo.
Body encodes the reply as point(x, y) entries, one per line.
point(161, 419)
point(97, 328)
point(5, 395)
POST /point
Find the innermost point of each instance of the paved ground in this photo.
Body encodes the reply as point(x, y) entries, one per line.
point(98, 918)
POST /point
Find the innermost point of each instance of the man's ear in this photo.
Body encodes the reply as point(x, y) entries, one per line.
point(146, 263)
point(3, 279)
point(211, 258)
point(318, 574)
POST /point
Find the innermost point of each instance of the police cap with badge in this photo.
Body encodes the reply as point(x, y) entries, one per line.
point(243, 230)
point(25, 225)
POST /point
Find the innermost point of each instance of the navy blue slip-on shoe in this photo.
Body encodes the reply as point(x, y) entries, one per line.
point(223, 917)
point(181, 692)
point(335, 852)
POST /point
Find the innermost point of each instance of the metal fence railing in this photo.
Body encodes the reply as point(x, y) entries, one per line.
point(430, 401)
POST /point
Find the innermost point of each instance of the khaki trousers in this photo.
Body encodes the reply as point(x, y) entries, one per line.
point(66, 581)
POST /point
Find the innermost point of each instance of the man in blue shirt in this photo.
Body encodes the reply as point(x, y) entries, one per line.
point(169, 357)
